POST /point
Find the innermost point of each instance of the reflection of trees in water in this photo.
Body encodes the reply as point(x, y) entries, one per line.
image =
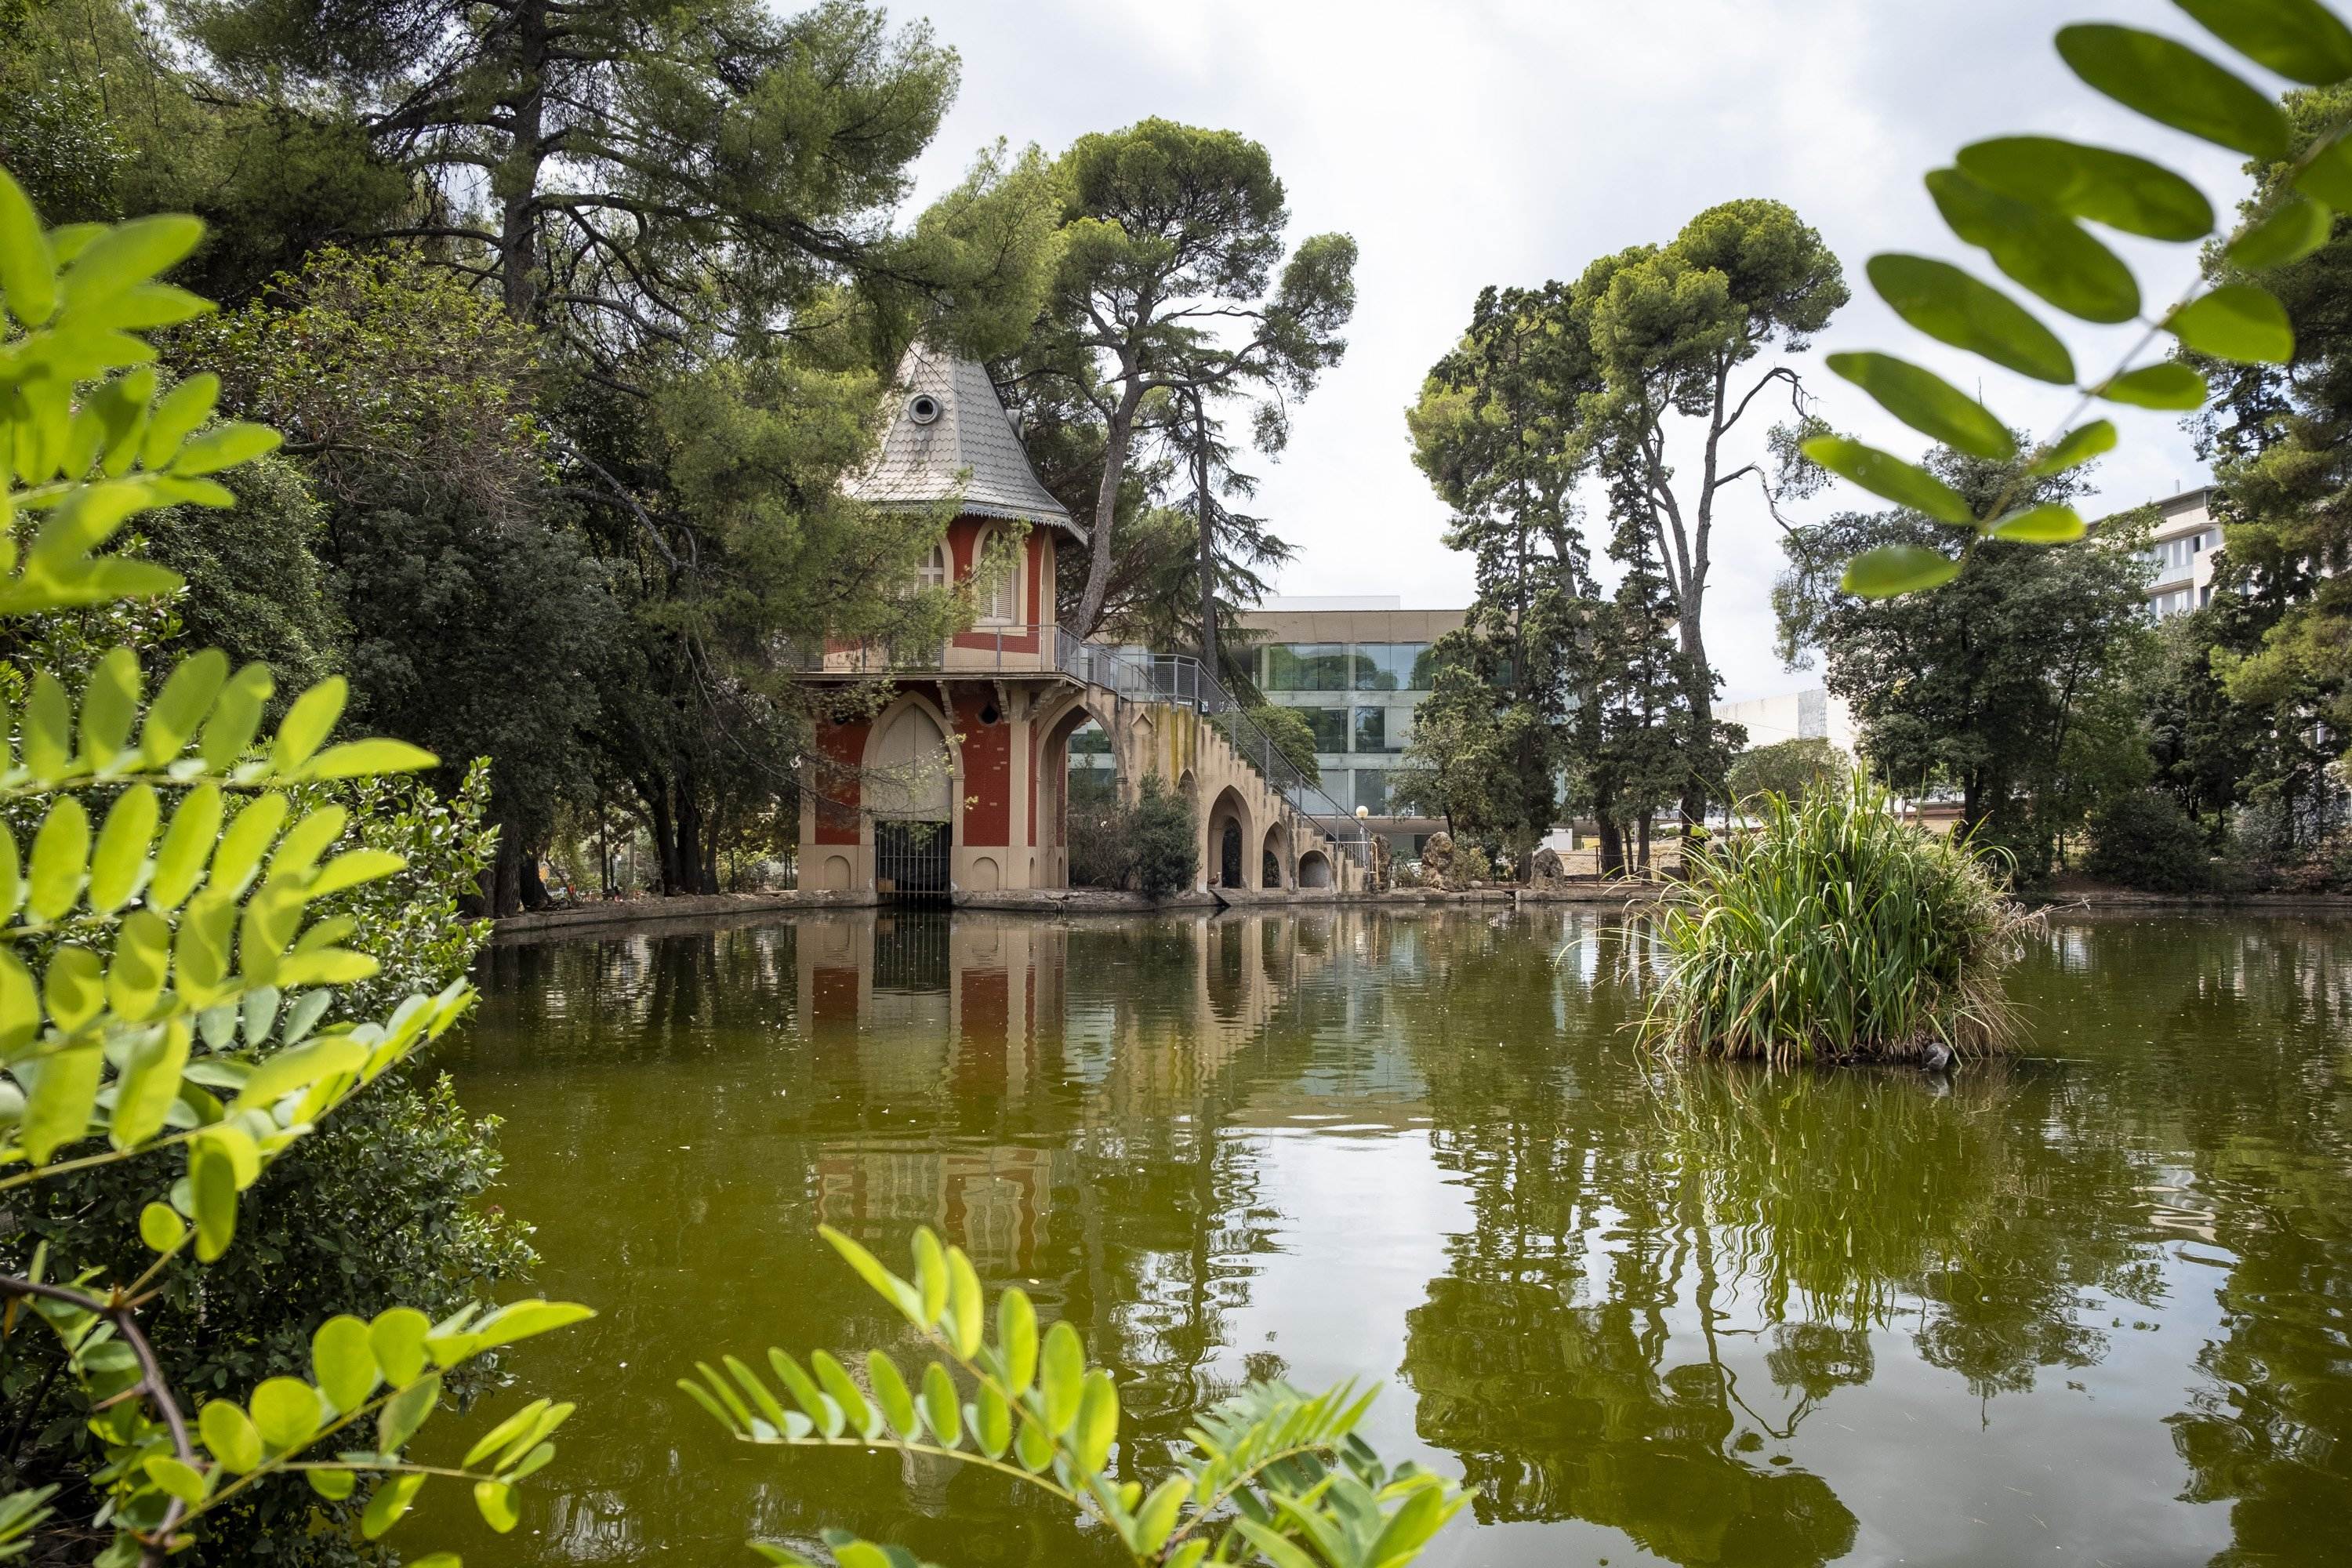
point(1776, 1220)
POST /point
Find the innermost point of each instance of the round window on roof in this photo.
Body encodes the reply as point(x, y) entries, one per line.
point(922, 408)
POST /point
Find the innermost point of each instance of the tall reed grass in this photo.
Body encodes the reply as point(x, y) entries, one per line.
point(1835, 931)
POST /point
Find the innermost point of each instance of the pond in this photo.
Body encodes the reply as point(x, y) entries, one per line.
point(2089, 1305)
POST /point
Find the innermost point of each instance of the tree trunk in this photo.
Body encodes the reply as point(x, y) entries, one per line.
point(1612, 845)
point(1207, 513)
point(1644, 829)
point(518, 177)
point(1118, 432)
point(503, 894)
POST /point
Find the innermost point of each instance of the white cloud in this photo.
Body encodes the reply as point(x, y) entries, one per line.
point(1511, 140)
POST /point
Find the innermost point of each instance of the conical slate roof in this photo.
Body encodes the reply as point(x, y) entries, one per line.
point(951, 438)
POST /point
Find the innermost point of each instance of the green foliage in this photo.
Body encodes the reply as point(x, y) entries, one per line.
point(2143, 839)
point(1151, 844)
point(1293, 736)
point(168, 983)
point(1792, 769)
point(1271, 1475)
point(1835, 931)
point(2016, 685)
point(2022, 200)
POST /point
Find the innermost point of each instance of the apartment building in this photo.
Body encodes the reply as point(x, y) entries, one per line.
point(2183, 546)
point(1355, 667)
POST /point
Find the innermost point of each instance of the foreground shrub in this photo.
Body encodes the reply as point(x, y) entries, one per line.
point(1167, 847)
point(1836, 932)
point(2142, 840)
point(1272, 1477)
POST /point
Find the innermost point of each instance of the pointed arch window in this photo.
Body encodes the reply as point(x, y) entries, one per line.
point(934, 572)
point(1000, 601)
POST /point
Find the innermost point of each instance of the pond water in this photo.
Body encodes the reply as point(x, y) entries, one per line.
point(2088, 1306)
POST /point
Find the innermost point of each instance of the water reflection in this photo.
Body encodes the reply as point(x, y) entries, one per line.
point(2090, 1299)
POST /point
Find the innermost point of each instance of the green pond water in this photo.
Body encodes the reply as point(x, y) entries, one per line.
point(2093, 1305)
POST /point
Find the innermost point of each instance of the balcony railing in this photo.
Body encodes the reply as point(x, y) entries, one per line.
point(1133, 675)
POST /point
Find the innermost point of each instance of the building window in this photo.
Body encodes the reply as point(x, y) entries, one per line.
point(1330, 727)
point(1307, 667)
point(934, 573)
point(1000, 603)
point(1372, 790)
point(1372, 730)
point(1388, 665)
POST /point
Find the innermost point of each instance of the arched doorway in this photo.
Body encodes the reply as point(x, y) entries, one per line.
point(1231, 843)
point(1314, 869)
point(1078, 790)
point(910, 790)
point(1273, 870)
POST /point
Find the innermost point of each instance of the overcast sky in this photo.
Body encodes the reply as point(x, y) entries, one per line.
point(1470, 143)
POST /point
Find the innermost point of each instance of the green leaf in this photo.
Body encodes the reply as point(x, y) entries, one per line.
point(181, 1480)
point(332, 1485)
point(308, 725)
point(161, 1227)
point(236, 717)
point(963, 1304)
point(397, 1419)
point(229, 1436)
point(118, 864)
point(1884, 474)
point(1893, 569)
point(2299, 227)
point(1016, 1339)
point(940, 1406)
point(212, 1184)
point(1928, 403)
point(1063, 1369)
point(1951, 307)
point(298, 1068)
point(73, 988)
point(2300, 39)
point(187, 847)
point(29, 274)
point(2329, 174)
point(890, 1392)
point(2053, 256)
point(288, 1412)
point(835, 1380)
point(177, 412)
point(343, 1362)
point(391, 1499)
point(992, 1421)
point(931, 1274)
point(1097, 1422)
point(60, 859)
point(149, 1084)
point(48, 736)
point(1156, 1519)
point(2169, 385)
point(2075, 447)
point(180, 707)
point(397, 1340)
point(368, 759)
point(127, 254)
point(2050, 525)
point(887, 1285)
point(20, 1004)
point(505, 1432)
point(523, 1319)
point(250, 832)
point(60, 1092)
point(110, 705)
point(225, 447)
point(2174, 85)
point(2236, 321)
point(1032, 1448)
point(497, 1501)
point(2119, 189)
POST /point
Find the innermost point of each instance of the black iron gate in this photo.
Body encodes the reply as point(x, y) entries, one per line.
point(911, 859)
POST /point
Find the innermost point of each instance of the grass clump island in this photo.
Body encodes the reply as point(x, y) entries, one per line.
point(1834, 932)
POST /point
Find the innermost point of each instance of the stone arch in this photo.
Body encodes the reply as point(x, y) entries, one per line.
point(1274, 858)
point(1229, 841)
point(913, 777)
point(1314, 869)
point(1055, 730)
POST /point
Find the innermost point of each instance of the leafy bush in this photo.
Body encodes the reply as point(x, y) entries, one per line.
point(175, 994)
point(1293, 736)
point(2143, 839)
point(1273, 1475)
point(1835, 931)
point(1471, 865)
point(1791, 768)
point(1167, 841)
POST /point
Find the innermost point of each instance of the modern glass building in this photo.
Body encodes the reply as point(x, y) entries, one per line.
point(1355, 669)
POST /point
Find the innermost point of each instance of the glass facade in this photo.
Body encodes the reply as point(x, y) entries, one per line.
point(1374, 732)
point(1372, 790)
point(1346, 667)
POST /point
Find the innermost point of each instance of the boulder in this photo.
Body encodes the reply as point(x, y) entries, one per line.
point(1548, 870)
point(1383, 866)
point(1437, 862)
